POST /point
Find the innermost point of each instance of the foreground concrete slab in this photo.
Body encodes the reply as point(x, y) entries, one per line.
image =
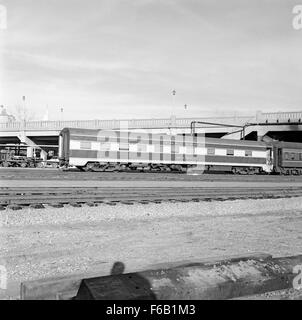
point(195, 281)
point(68, 286)
point(288, 294)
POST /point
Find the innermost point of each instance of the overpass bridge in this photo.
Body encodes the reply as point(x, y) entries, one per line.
point(165, 125)
point(286, 126)
point(38, 133)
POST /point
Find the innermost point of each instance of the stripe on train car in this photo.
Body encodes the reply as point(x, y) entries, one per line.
point(183, 150)
point(164, 140)
point(234, 146)
point(291, 164)
point(92, 154)
point(82, 161)
point(126, 156)
point(83, 138)
point(150, 144)
point(161, 157)
point(184, 144)
point(232, 159)
point(172, 148)
point(144, 138)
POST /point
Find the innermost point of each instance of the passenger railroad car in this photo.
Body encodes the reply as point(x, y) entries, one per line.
point(102, 150)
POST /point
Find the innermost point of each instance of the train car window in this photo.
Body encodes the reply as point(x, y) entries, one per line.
point(230, 152)
point(106, 154)
point(85, 145)
point(211, 151)
point(292, 156)
point(300, 156)
point(248, 153)
point(286, 156)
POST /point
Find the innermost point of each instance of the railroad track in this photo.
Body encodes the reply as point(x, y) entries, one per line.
point(16, 198)
point(51, 174)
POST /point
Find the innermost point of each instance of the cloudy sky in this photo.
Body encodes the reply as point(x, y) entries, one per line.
point(102, 59)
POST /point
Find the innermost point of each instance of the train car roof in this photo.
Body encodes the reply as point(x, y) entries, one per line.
point(216, 141)
point(250, 143)
point(79, 131)
point(285, 144)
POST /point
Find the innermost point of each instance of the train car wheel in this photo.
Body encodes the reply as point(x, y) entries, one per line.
point(23, 165)
point(234, 171)
point(89, 167)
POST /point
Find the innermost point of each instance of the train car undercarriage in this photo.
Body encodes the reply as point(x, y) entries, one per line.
point(150, 167)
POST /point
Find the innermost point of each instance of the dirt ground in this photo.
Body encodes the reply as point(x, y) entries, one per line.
point(51, 242)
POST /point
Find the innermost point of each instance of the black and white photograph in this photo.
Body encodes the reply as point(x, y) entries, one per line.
point(150, 150)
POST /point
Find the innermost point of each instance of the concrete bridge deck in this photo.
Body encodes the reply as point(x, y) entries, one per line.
point(47, 132)
point(163, 123)
point(166, 123)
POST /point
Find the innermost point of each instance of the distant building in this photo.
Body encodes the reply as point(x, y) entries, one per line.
point(5, 117)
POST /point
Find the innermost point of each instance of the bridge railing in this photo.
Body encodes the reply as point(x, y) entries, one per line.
point(149, 123)
point(279, 117)
point(113, 124)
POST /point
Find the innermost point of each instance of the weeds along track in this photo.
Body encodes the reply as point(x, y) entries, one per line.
point(18, 197)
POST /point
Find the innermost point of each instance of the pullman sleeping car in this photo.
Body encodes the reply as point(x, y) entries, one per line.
point(102, 150)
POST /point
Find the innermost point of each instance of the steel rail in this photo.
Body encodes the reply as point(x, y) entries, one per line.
point(29, 196)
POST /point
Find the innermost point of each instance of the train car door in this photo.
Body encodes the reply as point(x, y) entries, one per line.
point(280, 157)
point(64, 144)
point(123, 143)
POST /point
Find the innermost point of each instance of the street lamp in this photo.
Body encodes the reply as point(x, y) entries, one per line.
point(173, 102)
point(23, 109)
point(62, 110)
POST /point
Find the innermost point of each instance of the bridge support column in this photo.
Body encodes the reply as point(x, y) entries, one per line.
point(43, 155)
point(30, 150)
point(261, 132)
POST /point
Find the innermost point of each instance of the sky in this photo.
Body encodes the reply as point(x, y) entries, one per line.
point(111, 59)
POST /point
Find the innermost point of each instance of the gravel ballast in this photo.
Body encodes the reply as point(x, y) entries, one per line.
point(39, 243)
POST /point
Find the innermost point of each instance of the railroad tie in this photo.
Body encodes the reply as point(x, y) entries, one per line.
point(143, 202)
point(56, 205)
point(75, 204)
point(110, 203)
point(127, 202)
point(91, 204)
point(37, 206)
point(14, 207)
